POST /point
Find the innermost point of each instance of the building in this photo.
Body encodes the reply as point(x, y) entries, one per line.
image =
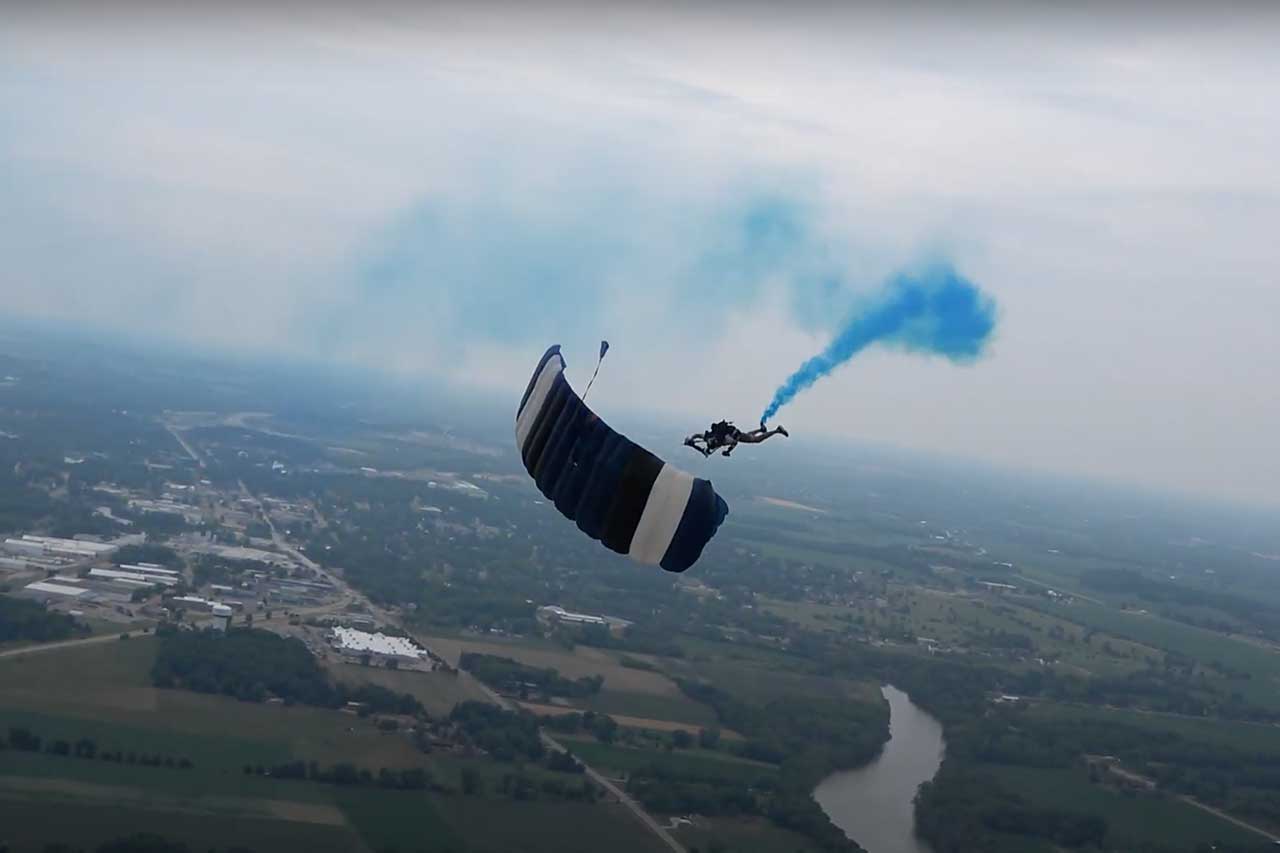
point(553, 613)
point(379, 647)
point(36, 546)
point(221, 617)
point(149, 569)
point(191, 602)
point(47, 589)
point(138, 578)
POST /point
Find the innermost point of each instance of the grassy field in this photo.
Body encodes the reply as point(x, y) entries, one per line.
point(102, 692)
point(27, 825)
point(741, 834)
point(1213, 732)
point(582, 661)
point(1131, 819)
point(1205, 646)
point(702, 762)
point(627, 691)
point(508, 827)
point(676, 709)
point(964, 620)
point(437, 691)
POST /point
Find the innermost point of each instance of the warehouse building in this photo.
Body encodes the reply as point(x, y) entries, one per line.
point(380, 647)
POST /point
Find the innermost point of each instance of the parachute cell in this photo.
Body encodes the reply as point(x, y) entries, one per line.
point(617, 492)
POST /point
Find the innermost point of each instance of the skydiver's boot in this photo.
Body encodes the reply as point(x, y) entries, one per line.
point(782, 432)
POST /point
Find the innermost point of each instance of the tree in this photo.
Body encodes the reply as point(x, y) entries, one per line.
point(471, 782)
point(681, 739)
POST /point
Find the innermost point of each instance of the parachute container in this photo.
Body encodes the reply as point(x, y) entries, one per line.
point(617, 492)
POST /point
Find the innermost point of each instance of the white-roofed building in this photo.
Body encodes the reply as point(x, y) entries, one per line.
point(133, 577)
point(47, 588)
point(353, 643)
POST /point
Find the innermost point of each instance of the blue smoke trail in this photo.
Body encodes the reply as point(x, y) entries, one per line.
point(938, 312)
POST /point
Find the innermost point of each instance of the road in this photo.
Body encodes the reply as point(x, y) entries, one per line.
point(623, 797)
point(594, 775)
point(1275, 839)
point(178, 437)
point(62, 644)
point(353, 595)
point(1131, 776)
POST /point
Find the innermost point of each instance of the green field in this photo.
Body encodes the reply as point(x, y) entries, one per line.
point(676, 709)
point(701, 762)
point(437, 691)
point(26, 826)
point(1244, 736)
point(964, 620)
point(741, 834)
point(1262, 664)
point(102, 692)
point(1131, 818)
point(507, 827)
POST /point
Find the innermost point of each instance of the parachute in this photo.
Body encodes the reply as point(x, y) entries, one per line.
point(617, 492)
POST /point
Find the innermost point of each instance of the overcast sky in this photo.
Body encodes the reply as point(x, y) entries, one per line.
point(450, 190)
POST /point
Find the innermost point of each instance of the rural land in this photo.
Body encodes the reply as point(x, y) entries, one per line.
point(261, 608)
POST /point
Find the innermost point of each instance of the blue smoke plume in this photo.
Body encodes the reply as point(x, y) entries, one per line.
point(938, 312)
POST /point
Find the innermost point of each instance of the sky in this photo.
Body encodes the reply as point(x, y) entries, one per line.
point(445, 190)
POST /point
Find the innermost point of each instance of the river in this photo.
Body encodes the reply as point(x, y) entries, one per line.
point(873, 805)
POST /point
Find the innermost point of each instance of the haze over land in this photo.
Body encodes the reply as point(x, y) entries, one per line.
point(442, 192)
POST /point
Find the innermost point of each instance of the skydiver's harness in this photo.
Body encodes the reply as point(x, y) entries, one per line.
point(721, 435)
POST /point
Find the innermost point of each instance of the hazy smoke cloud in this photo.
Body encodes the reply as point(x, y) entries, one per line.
point(938, 312)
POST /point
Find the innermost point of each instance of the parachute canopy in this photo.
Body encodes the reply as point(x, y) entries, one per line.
point(617, 492)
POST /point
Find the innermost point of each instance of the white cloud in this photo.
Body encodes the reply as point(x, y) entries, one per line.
point(1108, 176)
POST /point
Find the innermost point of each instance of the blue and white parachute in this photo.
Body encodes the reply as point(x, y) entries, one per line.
point(617, 492)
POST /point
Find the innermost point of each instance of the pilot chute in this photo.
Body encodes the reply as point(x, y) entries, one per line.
point(617, 492)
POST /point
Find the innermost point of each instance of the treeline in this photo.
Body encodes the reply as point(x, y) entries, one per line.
point(963, 809)
point(344, 773)
point(24, 740)
point(601, 726)
point(1242, 779)
point(142, 842)
point(253, 665)
point(1259, 612)
point(809, 737)
point(505, 735)
point(28, 620)
point(706, 789)
point(514, 677)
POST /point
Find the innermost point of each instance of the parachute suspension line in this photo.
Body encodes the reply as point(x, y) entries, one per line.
point(604, 348)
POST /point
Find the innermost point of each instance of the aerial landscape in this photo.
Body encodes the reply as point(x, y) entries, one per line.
point(369, 631)
point(329, 522)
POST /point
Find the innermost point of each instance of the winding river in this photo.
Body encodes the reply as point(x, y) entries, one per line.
point(873, 805)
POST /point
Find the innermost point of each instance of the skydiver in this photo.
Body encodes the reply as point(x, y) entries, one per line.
point(724, 436)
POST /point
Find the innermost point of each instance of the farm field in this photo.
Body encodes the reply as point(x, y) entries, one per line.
point(437, 691)
point(754, 834)
point(693, 761)
point(627, 692)
point(29, 825)
point(1131, 819)
point(101, 692)
point(1214, 732)
point(581, 662)
point(966, 620)
point(513, 827)
point(1262, 664)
